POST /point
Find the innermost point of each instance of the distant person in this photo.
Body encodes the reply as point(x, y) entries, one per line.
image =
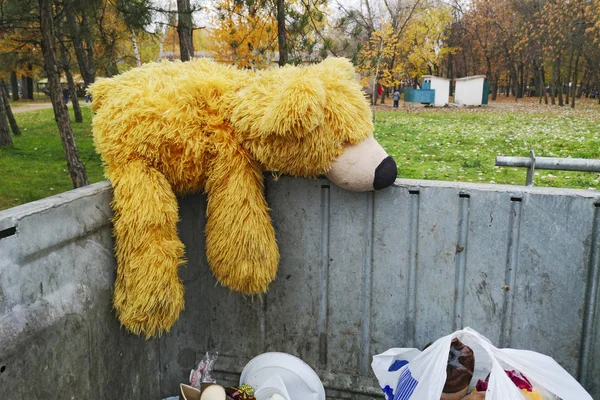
point(396, 98)
point(66, 95)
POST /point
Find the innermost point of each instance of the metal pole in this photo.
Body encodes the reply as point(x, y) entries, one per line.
point(531, 170)
point(564, 164)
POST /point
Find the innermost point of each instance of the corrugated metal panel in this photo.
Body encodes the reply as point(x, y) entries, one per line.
point(359, 273)
point(363, 272)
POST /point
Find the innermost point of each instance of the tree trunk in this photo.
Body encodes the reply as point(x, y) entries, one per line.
point(375, 94)
point(515, 80)
point(586, 79)
point(543, 85)
point(574, 84)
point(185, 29)
point(61, 115)
point(71, 83)
point(162, 42)
point(521, 81)
point(23, 87)
point(569, 76)
point(136, 49)
point(553, 84)
point(494, 87)
point(29, 82)
point(25, 95)
point(85, 57)
point(536, 81)
point(558, 88)
point(281, 33)
point(5, 138)
point(73, 96)
point(9, 114)
point(14, 85)
point(29, 88)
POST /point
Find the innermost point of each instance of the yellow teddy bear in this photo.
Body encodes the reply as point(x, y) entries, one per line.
point(172, 128)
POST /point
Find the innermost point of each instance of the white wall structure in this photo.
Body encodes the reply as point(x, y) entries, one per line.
point(469, 90)
point(441, 87)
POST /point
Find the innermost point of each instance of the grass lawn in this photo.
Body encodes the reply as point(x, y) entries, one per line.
point(35, 166)
point(442, 144)
point(462, 144)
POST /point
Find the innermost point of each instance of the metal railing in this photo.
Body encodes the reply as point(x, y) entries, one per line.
point(563, 164)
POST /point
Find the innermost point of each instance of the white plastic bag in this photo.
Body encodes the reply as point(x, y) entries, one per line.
point(412, 374)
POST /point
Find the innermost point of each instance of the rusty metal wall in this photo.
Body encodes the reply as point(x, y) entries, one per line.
point(359, 273)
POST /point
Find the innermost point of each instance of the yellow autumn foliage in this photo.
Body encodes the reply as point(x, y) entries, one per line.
point(411, 53)
point(243, 35)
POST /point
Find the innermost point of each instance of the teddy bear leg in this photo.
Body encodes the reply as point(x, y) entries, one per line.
point(240, 240)
point(148, 293)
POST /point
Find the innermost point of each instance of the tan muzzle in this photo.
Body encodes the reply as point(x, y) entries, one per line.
point(364, 166)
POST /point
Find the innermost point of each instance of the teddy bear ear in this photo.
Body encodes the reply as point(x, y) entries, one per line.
point(298, 107)
point(336, 65)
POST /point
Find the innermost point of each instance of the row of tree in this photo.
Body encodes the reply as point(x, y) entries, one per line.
point(545, 48)
point(523, 47)
point(49, 34)
point(530, 47)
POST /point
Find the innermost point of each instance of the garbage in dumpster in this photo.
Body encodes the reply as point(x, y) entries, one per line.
point(213, 392)
point(459, 371)
point(203, 385)
point(273, 388)
point(276, 376)
point(204, 371)
point(516, 377)
point(210, 391)
point(242, 392)
point(187, 392)
point(280, 375)
point(405, 374)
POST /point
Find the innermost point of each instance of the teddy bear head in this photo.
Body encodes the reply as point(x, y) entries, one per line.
point(309, 121)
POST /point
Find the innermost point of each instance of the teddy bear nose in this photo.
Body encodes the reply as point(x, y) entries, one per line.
point(385, 173)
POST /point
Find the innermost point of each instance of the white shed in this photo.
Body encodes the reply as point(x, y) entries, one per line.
point(441, 87)
point(469, 90)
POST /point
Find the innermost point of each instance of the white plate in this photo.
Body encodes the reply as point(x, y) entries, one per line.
point(301, 381)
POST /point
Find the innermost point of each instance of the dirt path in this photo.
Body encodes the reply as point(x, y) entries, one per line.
point(31, 107)
point(40, 106)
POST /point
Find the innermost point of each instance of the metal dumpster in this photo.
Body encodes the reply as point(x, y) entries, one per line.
point(359, 273)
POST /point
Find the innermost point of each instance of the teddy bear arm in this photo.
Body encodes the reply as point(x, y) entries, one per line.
point(240, 239)
point(148, 292)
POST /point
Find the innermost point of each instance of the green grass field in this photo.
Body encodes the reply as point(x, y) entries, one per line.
point(442, 144)
point(462, 144)
point(35, 166)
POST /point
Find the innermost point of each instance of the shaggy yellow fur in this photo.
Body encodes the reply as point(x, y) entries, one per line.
point(170, 128)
